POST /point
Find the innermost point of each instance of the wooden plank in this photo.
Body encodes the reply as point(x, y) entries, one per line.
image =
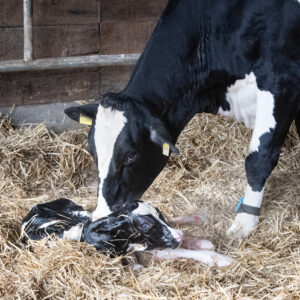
point(11, 13)
point(50, 12)
point(125, 37)
point(11, 43)
point(116, 10)
point(66, 40)
point(51, 41)
point(49, 86)
point(114, 79)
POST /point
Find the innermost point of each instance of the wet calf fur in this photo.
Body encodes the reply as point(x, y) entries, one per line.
point(136, 226)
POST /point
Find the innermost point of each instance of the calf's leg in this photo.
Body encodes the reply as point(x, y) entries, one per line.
point(207, 257)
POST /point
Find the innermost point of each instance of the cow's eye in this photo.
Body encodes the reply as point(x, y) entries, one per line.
point(132, 157)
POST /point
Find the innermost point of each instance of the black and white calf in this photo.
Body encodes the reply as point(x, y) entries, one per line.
point(237, 58)
point(137, 226)
point(136, 223)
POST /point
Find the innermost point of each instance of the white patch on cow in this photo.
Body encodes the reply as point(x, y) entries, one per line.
point(24, 225)
point(146, 209)
point(252, 106)
point(242, 99)
point(83, 214)
point(74, 233)
point(244, 223)
point(45, 225)
point(108, 125)
point(265, 120)
point(27, 222)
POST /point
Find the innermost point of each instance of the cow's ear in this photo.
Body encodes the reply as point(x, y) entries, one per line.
point(85, 114)
point(160, 136)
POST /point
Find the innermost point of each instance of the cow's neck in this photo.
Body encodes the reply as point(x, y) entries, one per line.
point(174, 73)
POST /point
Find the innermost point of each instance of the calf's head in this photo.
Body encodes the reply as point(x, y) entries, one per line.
point(126, 140)
point(137, 226)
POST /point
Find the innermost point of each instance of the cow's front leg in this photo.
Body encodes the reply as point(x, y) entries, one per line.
point(268, 136)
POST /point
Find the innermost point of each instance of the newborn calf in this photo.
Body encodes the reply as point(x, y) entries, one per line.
point(137, 226)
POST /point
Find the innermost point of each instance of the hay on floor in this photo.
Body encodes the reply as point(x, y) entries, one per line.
point(208, 177)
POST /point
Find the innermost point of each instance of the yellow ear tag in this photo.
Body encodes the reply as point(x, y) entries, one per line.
point(85, 120)
point(166, 149)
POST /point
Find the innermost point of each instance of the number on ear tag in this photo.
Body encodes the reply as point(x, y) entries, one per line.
point(166, 149)
point(85, 120)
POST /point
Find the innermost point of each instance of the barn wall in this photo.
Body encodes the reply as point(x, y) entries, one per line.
point(67, 28)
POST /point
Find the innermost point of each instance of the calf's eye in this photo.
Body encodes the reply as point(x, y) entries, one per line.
point(146, 226)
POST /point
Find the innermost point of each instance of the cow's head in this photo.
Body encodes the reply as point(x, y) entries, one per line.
point(126, 140)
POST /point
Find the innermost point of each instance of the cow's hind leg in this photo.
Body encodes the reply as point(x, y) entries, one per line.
point(271, 127)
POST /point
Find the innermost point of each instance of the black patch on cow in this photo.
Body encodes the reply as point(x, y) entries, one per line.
point(259, 164)
point(88, 110)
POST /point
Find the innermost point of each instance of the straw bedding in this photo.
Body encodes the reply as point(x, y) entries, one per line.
point(208, 178)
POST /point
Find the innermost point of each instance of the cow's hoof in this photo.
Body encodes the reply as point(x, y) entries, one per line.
point(242, 226)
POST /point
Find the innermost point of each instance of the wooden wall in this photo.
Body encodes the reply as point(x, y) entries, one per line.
point(67, 28)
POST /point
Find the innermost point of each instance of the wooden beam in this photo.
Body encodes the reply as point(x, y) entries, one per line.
point(69, 62)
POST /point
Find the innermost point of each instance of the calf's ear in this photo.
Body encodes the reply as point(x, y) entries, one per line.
point(85, 114)
point(160, 136)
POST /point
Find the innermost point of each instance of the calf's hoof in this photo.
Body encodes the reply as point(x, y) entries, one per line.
point(196, 244)
point(242, 226)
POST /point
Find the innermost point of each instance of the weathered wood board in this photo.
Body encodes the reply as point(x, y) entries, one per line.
point(51, 41)
point(50, 86)
point(69, 28)
point(125, 37)
point(133, 10)
point(114, 79)
point(51, 12)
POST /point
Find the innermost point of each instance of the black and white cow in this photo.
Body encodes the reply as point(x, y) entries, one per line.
point(136, 227)
point(236, 58)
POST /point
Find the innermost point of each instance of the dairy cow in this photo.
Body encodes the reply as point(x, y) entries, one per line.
point(236, 58)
